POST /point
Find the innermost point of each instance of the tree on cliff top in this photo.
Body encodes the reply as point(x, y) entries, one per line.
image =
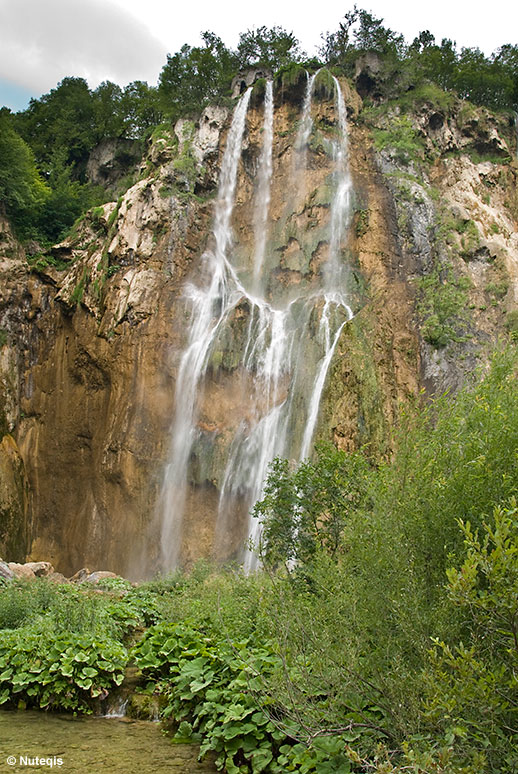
point(195, 76)
point(273, 48)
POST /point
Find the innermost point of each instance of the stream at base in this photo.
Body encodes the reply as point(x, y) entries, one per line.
point(91, 745)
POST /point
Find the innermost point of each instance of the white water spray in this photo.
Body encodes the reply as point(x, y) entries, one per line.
point(286, 347)
point(205, 322)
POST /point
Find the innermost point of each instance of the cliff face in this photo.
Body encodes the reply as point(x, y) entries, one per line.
point(92, 334)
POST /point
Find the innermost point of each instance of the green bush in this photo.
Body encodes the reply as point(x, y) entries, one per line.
point(441, 306)
point(58, 671)
point(23, 191)
point(303, 511)
point(472, 689)
point(400, 139)
point(215, 693)
point(359, 624)
point(209, 687)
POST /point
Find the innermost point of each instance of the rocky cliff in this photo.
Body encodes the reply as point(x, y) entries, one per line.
point(91, 332)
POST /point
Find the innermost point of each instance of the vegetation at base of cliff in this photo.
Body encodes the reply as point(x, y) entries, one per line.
point(379, 637)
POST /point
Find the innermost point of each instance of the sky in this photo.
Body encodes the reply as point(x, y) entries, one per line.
point(43, 41)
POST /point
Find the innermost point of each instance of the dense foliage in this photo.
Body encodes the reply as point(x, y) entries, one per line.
point(381, 636)
point(485, 80)
point(365, 613)
point(46, 148)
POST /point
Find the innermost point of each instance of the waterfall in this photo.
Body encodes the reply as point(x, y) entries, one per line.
point(205, 322)
point(335, 271)
point(306, 121)
point(281, 341)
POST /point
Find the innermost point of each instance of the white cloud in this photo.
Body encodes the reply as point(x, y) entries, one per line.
point(42, 41)
point(468, 23)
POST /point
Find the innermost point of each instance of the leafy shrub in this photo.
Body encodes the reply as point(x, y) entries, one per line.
point(210, 691)
point(359, 626)
point(442, 306)
point(511, 323)
point(427, 93)
point(400, 139)
point(217, 694)
point(23, 191)
point(303, 511)
point(472, 686)
point(58, 671)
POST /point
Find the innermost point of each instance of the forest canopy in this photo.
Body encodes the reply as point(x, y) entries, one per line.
point(43, 171)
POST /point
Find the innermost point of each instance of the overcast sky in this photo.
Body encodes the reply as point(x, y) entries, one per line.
point(42, 41)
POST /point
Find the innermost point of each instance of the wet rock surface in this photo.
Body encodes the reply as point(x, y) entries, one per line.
point(89, 352)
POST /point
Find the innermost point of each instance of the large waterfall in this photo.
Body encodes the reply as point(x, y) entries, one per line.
point(268, 343)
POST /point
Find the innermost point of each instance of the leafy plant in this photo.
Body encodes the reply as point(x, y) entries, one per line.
point(209, 688)
point(400, 139)
point(472, 687)
point(441, 306)
point(58, 671)
point(303, 511)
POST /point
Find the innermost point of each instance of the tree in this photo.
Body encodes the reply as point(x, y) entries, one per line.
point(193, 77)
point(359, 33)
point(63, 118)
point(371, 35)
point(505, 63)
point(141, 109)
point(22, 190)
point(423, 41)
point(108, 112)
point(337, 45)
point(273, 48)
point(304, 511)
point(66, 201)
point(437, 63)
point(472, 684)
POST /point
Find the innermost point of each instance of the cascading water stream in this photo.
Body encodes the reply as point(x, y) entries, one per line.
point(286, 348)
point(205, 322)
point(306, 121)
point(335, 279)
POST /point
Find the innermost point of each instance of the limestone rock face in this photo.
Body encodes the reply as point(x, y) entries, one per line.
point(89, 352)
point(14, 502)
point(205, 138)
point(111, 160)
point(15, 510)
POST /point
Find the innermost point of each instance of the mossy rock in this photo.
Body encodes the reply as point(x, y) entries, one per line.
point(145, 706)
